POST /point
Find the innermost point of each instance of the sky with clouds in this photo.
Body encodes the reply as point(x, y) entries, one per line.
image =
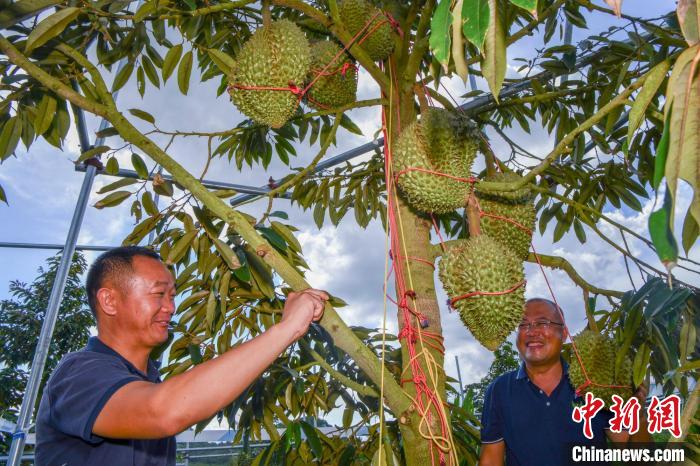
point(42, 187)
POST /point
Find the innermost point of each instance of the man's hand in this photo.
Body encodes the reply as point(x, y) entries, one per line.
point(302, 308)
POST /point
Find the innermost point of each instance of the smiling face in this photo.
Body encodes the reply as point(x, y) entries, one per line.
point(143, 304)
point(541, 347)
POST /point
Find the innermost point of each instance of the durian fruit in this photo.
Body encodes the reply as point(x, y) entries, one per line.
point(337, 86)
point(481, 264)
point(441, 142)
point(515, 205)
point(355, 14)
point(598, 354)
point(275, 56)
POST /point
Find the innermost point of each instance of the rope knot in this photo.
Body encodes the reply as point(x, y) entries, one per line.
point(347, 67)
point(296, 90)
point(583, 386)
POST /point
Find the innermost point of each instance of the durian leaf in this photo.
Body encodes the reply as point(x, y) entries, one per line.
point(223, 61)
point(112, 166)
point(113, 199)
point(145, 116)
point(662, 153)
point(640, 364)
point(3, 196)
point(475, 17)
point(44, 114)
point(662, 235)
point(122, 76)
point(683, 160)
point(144, 10)
point(171, 60)
point(529, 5)
point(691, 230)
point(689, 20)
point(150, 70)
point(645, 96)
point(50, 27)
point(440, 33)
point(139, 166)
point(458, 53)
point(493, 64)
point(686, 345)
point(95, 151)
point(184, 71)
point(9, 137)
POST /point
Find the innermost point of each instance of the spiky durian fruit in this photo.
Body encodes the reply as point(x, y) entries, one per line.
point(277, 55)
point(481, 264)
point(355, 14)
point(337, 84)
point(441, 142)
point(598, 354)
point(517, 206)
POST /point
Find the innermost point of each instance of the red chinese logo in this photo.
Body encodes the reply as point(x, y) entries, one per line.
point(626, 415)
point(665, 415)
point(586, 413)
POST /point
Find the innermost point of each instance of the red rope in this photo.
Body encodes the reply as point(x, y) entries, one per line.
point(486, 293)
point(432, 172)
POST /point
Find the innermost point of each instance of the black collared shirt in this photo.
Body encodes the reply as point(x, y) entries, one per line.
point(75, 394)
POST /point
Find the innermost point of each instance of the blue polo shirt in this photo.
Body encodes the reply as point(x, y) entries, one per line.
point(75, 394)
point(537, 429)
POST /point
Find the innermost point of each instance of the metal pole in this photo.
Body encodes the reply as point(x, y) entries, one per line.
point(79, 247)
point(459, 377)
point(47, 327)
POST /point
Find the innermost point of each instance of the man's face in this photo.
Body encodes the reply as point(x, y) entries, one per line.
point(146, 303)
point(540, 346)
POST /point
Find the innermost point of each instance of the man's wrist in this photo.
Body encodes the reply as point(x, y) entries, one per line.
point(286, 332)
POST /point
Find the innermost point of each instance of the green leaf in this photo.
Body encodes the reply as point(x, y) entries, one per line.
point(273, 238)
point(662, 153)
point(45, 114)
point(227, 254)
point(113, 199)
point(529, 5)
point(90, 153)
point(148, 204)
point(195, 353)
point(691, 230)
point(689, 19)
point(689, 336)
point(164, 188)
point(139, 166)
point(662, 235)
point(145, 116)
point(107, 132)
point(183, 72)
point(646, 95)
point(222, 60)
point(122, 76)
point(3, 196)
point(171, 60)
point(347, 417)
point(684, 148)
point(348, 124)
point(116, 185)
point(150, 70)
point(112, 166)
point(50, 27)
point(690, 366)
point(9, 137)
point(640, 364)
point(140, 81)
point(144, 10)
point(211, 310)
point(180, 247)
point(312, 438)
point(493, 65)
point(475, 17)
point(439, 40)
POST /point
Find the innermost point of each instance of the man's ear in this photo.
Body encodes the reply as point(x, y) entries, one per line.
point(107, 300)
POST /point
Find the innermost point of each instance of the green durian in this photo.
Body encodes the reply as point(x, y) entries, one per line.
point(598, 354)
point(337, 86)
point(277, 55)
point(442, 142)
point(355, 14)
point(481, 264)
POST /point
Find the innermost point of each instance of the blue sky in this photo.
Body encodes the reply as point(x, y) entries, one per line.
point(42, 187)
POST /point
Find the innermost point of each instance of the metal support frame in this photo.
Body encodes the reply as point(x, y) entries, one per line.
point(78, 247)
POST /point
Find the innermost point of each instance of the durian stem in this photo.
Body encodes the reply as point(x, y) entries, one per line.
point(422, 100)
point(489, 157)
point(266, 13)
point(592, 324)
point(473, 217)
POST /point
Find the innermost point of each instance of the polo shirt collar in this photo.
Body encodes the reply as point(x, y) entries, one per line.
point(96, 345)
point(522, 373)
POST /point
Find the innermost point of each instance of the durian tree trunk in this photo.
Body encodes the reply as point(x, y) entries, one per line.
point(413, 230)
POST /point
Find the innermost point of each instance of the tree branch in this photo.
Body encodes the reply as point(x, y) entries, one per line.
point(342, 335)
point(16, 12)
point(560, 263)
point(420, 44)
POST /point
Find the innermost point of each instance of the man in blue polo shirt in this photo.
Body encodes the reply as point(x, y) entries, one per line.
point(106, 405)
point(526, 419)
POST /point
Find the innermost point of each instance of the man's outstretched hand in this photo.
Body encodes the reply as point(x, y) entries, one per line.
point(302, 308)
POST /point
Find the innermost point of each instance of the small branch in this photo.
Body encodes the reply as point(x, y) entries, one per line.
point(344, 379)
point(100, 86)
point(560, 263)
point(420, 43)
point(473, 217)
point(592, 324)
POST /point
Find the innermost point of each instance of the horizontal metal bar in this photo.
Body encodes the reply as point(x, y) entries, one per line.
point(84, 247)
point(123, 173)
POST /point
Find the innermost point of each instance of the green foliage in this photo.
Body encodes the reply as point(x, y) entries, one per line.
point(506, 359)
point(21, 317)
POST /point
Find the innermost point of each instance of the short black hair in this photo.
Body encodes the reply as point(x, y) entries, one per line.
point(550, 303)
point(114, 264)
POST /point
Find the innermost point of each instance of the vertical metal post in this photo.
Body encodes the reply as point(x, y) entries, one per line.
point(459, 377)
point(47, 327)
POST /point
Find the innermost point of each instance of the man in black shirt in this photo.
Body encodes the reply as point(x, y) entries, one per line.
point(106, 404)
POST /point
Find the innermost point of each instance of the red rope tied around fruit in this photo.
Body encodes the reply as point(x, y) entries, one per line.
point(427, 402)
point(452, 301)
